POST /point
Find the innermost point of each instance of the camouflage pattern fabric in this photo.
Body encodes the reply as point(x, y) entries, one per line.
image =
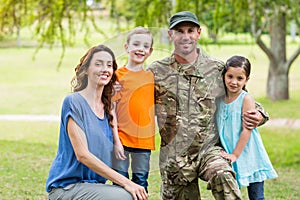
point(218, 172)
point(185, 106)
point(212, 168)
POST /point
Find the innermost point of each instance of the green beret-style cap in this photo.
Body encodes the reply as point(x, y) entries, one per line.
point(184, 16)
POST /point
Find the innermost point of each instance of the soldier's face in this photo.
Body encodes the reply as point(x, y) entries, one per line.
point(185, 36)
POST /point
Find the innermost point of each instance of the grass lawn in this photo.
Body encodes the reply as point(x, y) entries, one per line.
point(37, 87)
point(27, 150)
point(42, 86)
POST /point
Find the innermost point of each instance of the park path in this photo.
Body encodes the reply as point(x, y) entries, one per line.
point(289, 123)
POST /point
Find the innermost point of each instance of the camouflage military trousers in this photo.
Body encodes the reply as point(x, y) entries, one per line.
point(211, 167)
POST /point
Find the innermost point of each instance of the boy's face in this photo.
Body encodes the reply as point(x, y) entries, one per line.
point(139, 47)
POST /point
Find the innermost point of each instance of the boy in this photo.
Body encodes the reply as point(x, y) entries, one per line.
point(134, 106)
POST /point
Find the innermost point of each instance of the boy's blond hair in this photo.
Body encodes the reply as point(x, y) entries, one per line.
point(139, 30)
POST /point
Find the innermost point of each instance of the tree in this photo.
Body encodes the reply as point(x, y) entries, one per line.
point(53, 21)
point(269, 16)
point(57, 21)
point(274, 18)
point(14, 16)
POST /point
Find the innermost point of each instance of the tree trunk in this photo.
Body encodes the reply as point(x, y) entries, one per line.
point(278, 80)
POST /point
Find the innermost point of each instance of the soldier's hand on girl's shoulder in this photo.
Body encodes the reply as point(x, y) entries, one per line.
point(252, 118)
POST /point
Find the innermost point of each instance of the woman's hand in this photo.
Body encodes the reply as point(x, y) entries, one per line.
point(138, 192)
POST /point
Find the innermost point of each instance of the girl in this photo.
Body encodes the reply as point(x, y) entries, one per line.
point(244, 147)
point(83, 161)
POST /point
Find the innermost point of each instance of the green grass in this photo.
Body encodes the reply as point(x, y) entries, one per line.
point(37, 87)
point(27, 150)
point(283, 109)
point(283, 147)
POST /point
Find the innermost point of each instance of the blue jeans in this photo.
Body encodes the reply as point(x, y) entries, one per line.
point(256, 191)
point(140, 165)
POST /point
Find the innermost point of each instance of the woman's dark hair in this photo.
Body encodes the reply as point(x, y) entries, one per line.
point(237, 61)
point(80, 80)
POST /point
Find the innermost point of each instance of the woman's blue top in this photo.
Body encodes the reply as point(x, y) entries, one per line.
point(66, 169)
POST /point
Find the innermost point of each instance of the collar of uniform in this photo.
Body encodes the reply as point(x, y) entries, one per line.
point(191, 69)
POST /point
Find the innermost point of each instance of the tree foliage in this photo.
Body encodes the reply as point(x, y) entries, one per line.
point(57, 22)
point(151, 13)
point(255, 16)
point(14, 15)
point(273, 16)
point(53, 21)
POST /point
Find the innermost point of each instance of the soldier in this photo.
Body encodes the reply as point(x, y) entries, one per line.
point(186, 86)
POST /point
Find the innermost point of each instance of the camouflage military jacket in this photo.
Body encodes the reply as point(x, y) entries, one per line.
point(185, 104)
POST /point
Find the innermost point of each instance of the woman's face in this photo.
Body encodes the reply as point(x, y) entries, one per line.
point(101, 69)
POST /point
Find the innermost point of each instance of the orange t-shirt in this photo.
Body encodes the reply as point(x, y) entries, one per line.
point(135, 108)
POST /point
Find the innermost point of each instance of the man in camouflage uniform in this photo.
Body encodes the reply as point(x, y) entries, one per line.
point(186, 86)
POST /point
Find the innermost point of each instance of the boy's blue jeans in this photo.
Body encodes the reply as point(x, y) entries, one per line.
point(256, 191)
point(140, 165)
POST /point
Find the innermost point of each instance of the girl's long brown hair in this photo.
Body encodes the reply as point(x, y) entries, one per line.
point(80, 80)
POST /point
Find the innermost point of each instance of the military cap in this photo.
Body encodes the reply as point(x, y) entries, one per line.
point(184, 16)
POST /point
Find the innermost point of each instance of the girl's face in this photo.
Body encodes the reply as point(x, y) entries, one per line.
point(100, 70)
point(139, 47)
point(235, 79)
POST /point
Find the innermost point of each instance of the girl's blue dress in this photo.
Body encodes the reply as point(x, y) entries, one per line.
point(253, 165)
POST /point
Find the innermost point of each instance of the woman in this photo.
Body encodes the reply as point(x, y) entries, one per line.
point(83, 161)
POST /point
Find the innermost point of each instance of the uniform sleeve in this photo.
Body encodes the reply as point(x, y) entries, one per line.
point(151, 68)
point(259, 107)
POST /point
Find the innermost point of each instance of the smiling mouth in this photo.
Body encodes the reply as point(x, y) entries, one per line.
point(139, 54)
point(186, 45)
point(186, 42)
point(104, 75)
